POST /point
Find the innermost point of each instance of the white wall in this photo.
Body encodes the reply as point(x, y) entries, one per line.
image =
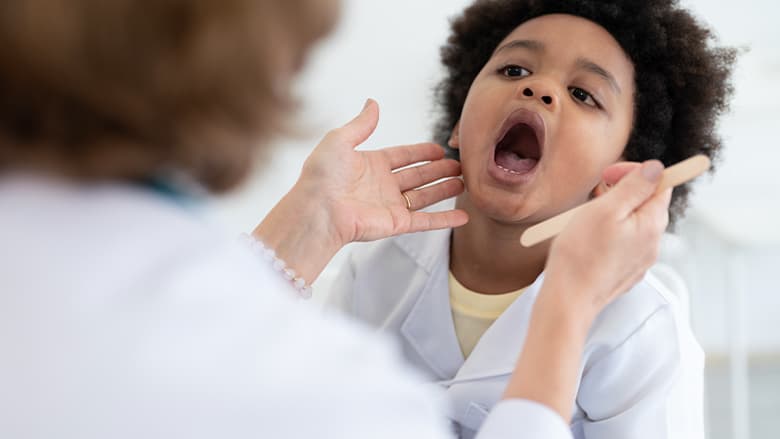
point(389, 51)
point(734, 223)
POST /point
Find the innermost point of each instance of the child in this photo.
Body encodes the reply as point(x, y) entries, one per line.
point(539, 99)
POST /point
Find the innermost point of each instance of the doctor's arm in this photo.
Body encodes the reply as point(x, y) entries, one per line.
point(585, 272)
point(345, 195)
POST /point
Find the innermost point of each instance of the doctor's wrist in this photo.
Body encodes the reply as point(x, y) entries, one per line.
point(574, 312)
point(300, 234)
point(556, 336)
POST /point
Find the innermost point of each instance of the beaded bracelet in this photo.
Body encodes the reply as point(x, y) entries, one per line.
point(261, 250)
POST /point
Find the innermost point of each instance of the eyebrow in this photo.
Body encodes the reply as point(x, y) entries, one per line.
point(533, 45)
point(582, 63)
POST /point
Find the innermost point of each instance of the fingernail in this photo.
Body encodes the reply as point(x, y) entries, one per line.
point(368, 101)
point(651, 170)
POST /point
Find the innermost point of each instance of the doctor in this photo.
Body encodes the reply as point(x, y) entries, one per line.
point(123, 314)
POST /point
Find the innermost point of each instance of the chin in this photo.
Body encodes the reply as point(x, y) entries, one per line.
point(502, 206)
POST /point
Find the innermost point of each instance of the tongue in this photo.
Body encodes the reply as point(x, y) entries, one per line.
point(513, 163)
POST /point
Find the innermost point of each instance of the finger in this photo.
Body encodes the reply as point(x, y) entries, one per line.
point(424, 221)
point(614, 173)
point(651, 220)
point(422, 198)
point(634, 189)
point(416, 176)
point(400, 156)
point(359, 129)
point(653, 215)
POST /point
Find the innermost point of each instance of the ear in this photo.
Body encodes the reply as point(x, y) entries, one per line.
point(611, 175)
point(600, 189)
point(454, 141)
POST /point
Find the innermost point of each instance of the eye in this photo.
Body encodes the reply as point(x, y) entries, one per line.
point(514, 71)
point(583, 96)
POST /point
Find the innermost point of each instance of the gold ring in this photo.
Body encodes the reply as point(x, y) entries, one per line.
point(408, 201)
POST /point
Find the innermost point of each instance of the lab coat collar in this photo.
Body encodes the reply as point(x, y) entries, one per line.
point(498, 349)
point(429, 327)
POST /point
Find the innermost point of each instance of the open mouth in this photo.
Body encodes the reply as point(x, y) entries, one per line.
point(519, 150)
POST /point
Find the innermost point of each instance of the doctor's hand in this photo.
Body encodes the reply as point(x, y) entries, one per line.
point(609, 246)
point(344, 195)
point(604, 250)
point(366, 193)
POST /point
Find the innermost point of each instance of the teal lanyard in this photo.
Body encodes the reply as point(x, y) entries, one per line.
point(174, 193)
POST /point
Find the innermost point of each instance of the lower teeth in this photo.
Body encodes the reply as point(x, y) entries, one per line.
point(508, 170)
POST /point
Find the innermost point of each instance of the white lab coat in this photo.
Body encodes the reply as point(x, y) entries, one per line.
point(124, 316)
point(641, 373)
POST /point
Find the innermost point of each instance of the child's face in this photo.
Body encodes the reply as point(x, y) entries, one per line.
point(548, 112)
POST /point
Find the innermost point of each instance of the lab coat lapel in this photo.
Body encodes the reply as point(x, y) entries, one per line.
point(497, 351)
point(428, 327)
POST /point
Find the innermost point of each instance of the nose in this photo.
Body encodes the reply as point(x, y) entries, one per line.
point(530, 93)
point(542, 92)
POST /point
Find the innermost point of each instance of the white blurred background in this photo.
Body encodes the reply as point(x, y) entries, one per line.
point(728, 248)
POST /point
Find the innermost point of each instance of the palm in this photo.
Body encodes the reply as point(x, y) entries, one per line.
point(364, 193)
point(372, 200)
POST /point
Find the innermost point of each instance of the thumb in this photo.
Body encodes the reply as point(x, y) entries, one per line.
point(635, 188)
point(614, 173)
point(359, 129)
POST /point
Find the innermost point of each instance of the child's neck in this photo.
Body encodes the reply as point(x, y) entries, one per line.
point(486, 256)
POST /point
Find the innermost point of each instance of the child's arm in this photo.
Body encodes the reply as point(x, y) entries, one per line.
point(649, 386)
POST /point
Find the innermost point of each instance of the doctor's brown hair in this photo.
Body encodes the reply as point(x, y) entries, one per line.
point(127, 89)
point(683, 82)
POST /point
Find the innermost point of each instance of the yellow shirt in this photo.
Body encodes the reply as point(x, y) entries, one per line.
point(473, 313)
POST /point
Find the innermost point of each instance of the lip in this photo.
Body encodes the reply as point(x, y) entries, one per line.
point(519, 116)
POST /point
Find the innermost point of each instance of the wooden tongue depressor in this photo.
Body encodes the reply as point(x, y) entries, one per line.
point(674, 175)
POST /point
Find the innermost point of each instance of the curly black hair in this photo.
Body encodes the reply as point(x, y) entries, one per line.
point(683, 83)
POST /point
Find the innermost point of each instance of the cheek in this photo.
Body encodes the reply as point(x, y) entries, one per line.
point(484, 103)
point(610, 141)
point(587, 147)
point(623, 123)
point(475, 126)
